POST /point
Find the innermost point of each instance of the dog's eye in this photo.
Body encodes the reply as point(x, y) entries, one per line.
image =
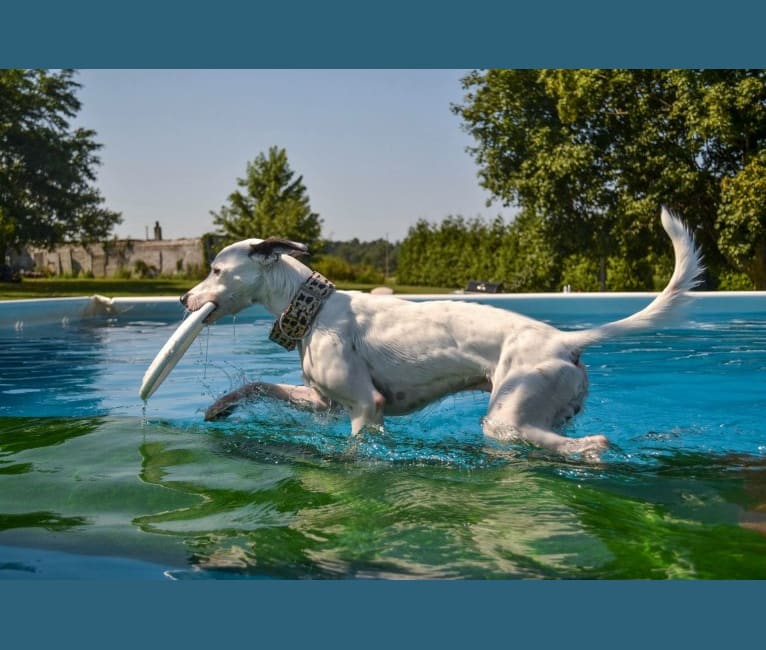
point(217, 271)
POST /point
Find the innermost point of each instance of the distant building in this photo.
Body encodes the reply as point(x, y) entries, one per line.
point(117, 257)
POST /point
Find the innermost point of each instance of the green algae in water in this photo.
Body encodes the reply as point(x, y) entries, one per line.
point(222, 503)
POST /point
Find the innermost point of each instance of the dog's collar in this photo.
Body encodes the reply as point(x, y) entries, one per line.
point(298, 317)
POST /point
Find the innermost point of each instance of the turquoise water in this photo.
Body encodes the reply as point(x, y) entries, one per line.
point(92, 484)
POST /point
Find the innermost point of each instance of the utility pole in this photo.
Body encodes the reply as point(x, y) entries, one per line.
point(385, 279)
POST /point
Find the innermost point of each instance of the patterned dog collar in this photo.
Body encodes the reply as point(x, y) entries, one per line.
point(296, 320)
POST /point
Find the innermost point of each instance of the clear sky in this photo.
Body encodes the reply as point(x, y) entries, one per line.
point(377, 149)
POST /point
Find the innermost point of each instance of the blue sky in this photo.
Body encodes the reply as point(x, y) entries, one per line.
point(378, 149)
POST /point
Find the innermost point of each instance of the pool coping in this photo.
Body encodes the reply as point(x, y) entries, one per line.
point(20, 314)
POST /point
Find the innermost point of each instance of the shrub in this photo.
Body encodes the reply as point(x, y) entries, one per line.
point(733, 281)
point(335, 268)
point(144, 270)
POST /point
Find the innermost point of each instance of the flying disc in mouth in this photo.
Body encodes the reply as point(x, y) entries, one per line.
point(174, 349)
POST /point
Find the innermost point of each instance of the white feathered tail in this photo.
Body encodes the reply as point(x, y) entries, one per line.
point(688, 268)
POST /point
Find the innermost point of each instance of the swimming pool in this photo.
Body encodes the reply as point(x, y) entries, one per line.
point(94, 484)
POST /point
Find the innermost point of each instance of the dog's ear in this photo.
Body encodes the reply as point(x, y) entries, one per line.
point(274, 246)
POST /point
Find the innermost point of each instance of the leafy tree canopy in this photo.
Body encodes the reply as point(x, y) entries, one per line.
point(47, 167)
point(594, 153)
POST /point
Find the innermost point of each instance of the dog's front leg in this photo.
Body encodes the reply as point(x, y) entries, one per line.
point(303, 397)
point(334, 365)
point(367, 413)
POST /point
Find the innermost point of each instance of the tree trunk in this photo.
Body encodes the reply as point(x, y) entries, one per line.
point(758, 268)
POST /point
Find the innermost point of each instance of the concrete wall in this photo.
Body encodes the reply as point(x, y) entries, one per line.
point(159, 257)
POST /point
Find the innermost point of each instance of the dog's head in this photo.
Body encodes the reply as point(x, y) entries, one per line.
point(236, 275)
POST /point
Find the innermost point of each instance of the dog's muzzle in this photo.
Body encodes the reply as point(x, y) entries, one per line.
point(193, 303)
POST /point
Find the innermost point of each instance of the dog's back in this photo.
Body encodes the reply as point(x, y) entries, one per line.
point(417, 352)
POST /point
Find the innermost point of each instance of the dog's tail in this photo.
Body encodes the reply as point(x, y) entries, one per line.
point(686, 276)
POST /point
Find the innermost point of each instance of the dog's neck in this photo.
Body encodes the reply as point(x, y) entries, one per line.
point(281, 282)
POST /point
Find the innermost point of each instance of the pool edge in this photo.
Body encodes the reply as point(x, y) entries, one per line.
point(22, 313)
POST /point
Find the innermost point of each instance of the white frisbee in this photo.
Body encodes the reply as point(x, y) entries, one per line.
point(174, 349)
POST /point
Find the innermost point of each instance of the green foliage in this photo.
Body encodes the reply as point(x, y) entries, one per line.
point(334, 268)
point(379, 254)
point(742, 220)
point(47, 167)
point(528, 257)
point(630, 274)
point(594, 153)
point(368, 275)
point(581, 273)
point(733, 281)
point(456, 251)
point(521, 256)
point(338, 269)
point(273, 202)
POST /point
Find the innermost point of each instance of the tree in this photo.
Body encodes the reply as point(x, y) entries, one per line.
point(47, 167)
point(742, 220)
point(413, 265)
point(451, 253)
point(594, 153)
point(527, 259)
point(530, 155)
point(380, 254)
point(273, 202)
point(728, 117)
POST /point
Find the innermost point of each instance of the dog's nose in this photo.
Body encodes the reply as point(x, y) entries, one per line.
point(185, 298)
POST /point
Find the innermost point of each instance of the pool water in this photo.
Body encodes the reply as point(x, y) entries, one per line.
point(95, 483)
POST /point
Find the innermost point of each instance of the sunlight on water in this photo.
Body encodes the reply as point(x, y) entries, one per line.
point(86, 468)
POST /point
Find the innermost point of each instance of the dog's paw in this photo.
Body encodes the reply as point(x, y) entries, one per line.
point(222, 408)
point(595, 442)
point(588, 447)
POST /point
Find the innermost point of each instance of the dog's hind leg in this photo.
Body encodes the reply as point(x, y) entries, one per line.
point(589, 446)
point(303, 397)
point(527, 404)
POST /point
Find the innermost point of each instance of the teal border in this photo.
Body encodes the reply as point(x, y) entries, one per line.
point(376, 35)
point(413, 34)
point(383, 614)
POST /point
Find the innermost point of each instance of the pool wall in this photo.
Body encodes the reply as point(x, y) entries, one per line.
point(22, 314)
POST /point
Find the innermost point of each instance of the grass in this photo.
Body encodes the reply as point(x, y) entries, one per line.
point(113, 287)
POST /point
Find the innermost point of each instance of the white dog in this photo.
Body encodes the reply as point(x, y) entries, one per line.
point(382, 355)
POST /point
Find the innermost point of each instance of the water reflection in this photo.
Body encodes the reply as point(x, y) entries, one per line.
point(282, 512)
point(228, 503)
point(47, 520)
